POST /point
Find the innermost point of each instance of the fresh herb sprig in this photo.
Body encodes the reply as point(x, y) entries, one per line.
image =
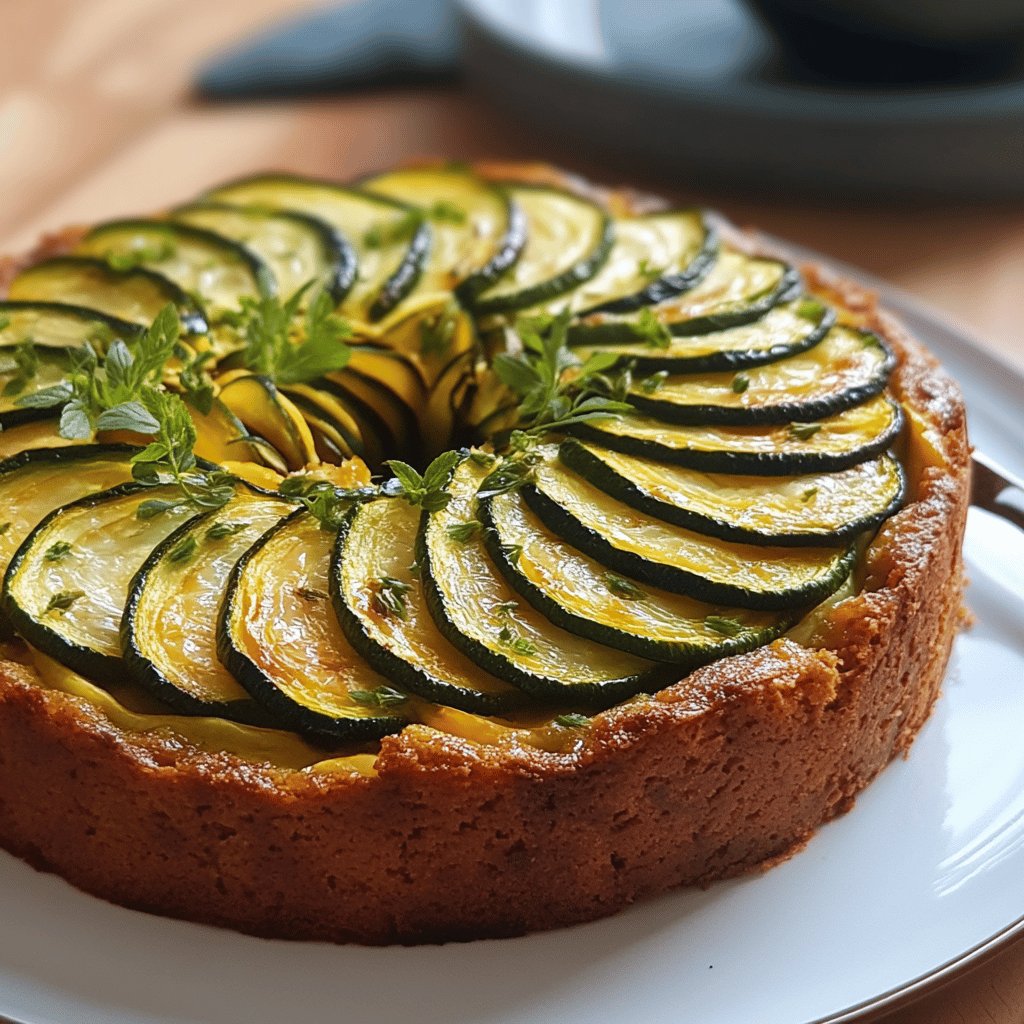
point(26, 367)
point(429, 489)
point(287, 348)
point(326, 502)
point(112, 396)
point(170, 459)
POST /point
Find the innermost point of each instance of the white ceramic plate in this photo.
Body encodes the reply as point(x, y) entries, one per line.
point(926, 870)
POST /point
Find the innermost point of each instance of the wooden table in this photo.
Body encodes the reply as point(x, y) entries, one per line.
point(96, 121)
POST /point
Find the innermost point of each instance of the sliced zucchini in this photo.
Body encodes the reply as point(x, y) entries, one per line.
point(222, 437)
point(656, 256)
point(477, 610)
point(783, 331)
point(134, 295)
point(220, 272)
point(382, 608)
point(395, 371)
point(737, 290)
point(846, 368)
point(278, 636)
point(392, 241)
point(379, 410)
point(568, 241)
point(831, 444)
point(664, 555)
point(19, 379)
point(35, 434)
point(66, 586)
point(583, 596)
point(330, 413)
point(59, 325)
point(296, 247)
point(479, 230)
point(35, 482)
point(810, 509)
point(270, 416)
point(168, 632)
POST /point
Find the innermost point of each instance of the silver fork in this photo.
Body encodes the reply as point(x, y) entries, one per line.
point(996, 490)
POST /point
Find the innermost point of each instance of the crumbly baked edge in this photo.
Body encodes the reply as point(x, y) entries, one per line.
point(730, 769)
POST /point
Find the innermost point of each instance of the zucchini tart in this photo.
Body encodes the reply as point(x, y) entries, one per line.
point(459, 552)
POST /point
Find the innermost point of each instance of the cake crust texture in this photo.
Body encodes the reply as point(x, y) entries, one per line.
point(730, 769)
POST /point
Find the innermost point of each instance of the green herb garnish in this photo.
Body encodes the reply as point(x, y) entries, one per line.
point(572, 720)
point(428, 490)
point(740, 383)
point(724, 626)
point(184, 549)
point(55, 552)
point(224, 528)
point(652, 383)
point(379, 697)
point(26, 367)
point(648, 329)
point(326, 502)
point(463, 532)
point(808, 494)
point(389, 597)
point(399, 230)
point(810, 309)
point(140, 255)
point(624, 588)
point(438, 331)
point(311, 594)
point(62, 600)
point(519, 644)
point(804, 431)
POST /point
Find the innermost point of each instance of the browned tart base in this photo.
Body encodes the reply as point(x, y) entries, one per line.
point(731, 768)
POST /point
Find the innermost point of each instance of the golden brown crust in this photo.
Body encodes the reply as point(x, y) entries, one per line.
point(731, 768)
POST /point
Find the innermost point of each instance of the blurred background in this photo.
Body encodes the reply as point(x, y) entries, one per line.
point(889, 136)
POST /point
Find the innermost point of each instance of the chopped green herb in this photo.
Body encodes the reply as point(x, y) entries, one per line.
point(311, 594)
point(224, 528)
point(438, 331)
point(62, 600)
point(4, 527)
point(463, 532)
point(808, 494)
point(506, 607)
point(804, 431)
point(650, 330)
point(519, 644)
point(572, 720)
point(624, 588)
point(184, 549)
point(194, 378)
point(389, 597)
point(507, 477)
point(379, 697)
point(723, 625)
point(26, 367)
point(483, 458)
point(443, 210)
point(652, 383)
point(327, 503)
point(740, 383)
point(140, 255)
point(399, 230)
point(55, 552)
point(512, 552)
point(645, 270)
point(811, 309)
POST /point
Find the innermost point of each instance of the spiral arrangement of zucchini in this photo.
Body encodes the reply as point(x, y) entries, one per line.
point(757, 460)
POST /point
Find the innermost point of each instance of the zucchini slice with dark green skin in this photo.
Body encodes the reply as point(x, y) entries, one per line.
point(479, 230)
point(36, 481)
point(49, 366)
point(476, 609)
point(330, 414)
point(297, 247)
point(844, 369)
point(218, 270)
point(568, 240)
point(672, 558)
point(34, 434)
point(809, 509)
point(271, 416)
point(737, 290)
point(278, 636)
point(378, 409)
point(61, 325)
point(831, 444)
point(136, 295)
point(382, 608)
point(168, 631)
point(391, 240)
point(583, 596)
point(783, 331)
point(66, 586)
point(656, 256)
